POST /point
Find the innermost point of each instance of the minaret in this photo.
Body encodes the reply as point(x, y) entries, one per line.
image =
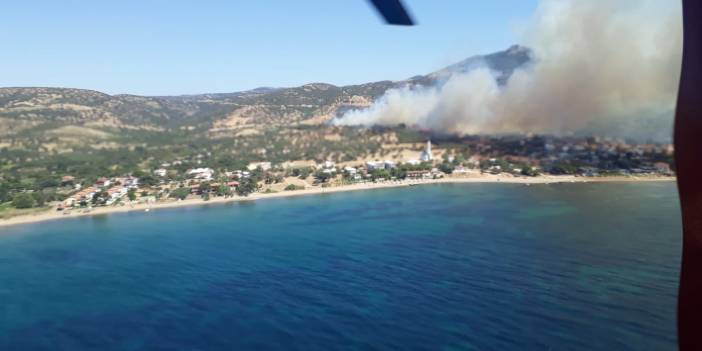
point(429, 149)
point(426, 154)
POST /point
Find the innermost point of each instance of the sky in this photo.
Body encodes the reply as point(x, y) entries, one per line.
point(158, 47)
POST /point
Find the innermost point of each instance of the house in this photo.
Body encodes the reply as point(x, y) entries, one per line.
point(389, 164)
point(414, 162)
point(161, 172)
point(436, 173)
point(115, 193)
point(85, 194)
point(373, 165)
point(65, 180)
point(418, 174)
point(201, 173)
point(350, 170)
point(662, 167)
point(103, 182)
point(131, 182)
point(263, 165)
point(238, 174)
point(588, 171)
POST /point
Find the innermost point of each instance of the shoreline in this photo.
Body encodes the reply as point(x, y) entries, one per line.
point(56, 215)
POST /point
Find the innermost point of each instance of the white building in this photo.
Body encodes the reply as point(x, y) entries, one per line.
point(115, 194)
point(264, 166)
point(161, 172)
point(131, 182)
point(373, 165)
point(460, 170)
point(201, 173)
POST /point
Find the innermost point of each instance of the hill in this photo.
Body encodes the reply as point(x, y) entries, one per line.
point(23, 109)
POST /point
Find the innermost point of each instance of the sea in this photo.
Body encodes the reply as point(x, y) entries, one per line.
point(585, 266)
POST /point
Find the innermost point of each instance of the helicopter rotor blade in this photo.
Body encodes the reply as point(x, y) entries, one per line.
point(393, 11)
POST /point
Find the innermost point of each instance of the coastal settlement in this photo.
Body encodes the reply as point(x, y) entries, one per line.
point(586, 157)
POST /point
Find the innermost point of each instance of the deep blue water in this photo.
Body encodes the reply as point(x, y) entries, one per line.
point(441, 267)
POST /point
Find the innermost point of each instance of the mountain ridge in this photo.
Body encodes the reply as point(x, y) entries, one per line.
point(312, 103)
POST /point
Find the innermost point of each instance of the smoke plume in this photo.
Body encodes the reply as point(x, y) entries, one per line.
point(595, 63)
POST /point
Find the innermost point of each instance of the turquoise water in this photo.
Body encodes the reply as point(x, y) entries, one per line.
point(441, 267)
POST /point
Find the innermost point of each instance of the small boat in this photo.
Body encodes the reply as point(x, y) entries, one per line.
point(147, 210)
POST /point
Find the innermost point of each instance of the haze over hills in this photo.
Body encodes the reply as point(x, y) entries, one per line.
point(315, 103)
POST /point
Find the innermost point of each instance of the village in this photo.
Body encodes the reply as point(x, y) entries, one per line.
point(587, 158)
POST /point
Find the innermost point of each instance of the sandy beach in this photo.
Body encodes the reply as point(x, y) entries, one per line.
point(55, 215)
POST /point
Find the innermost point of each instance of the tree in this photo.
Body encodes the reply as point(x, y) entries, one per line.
point(322, 177)
point(530, 171)
point(459, 159)
point(48, 183)
point(246, 187)
point(257, 173)
point(131, 194)
point(380, 174)
point(562, 168)
point(100, 197)
point(23, 200)
point(292, 187)
point(39, 198)
point(447, 167)
point(148, 180)
point(224, 190)
point(4, 192)
point(301, 173)
point(399, 172)
point(180, 193)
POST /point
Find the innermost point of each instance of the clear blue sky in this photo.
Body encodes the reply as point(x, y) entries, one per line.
point(158, 47)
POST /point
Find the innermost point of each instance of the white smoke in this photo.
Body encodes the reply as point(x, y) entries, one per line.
point(594, 63)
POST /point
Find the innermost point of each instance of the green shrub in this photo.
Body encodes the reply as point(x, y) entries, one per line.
point(23, 200)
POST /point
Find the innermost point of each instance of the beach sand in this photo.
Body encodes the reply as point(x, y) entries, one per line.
point(55, 215)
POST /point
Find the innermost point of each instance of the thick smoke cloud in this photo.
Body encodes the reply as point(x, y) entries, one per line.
point(596, 64)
